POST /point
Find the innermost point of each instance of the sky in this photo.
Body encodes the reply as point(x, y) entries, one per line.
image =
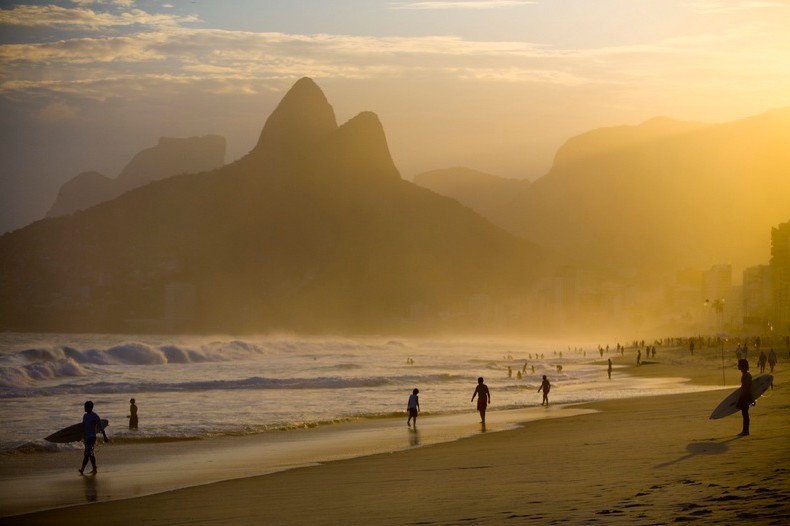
point(494, 85)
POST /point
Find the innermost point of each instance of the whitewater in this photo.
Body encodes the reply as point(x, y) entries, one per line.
point(190, 387)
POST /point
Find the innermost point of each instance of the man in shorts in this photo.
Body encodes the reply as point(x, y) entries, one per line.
point(91, 423)
point(484, 398)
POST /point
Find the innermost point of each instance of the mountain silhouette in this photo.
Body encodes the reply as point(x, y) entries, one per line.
point(656, 197)
point(483, 192)
point(314, 230)
point(170, 156)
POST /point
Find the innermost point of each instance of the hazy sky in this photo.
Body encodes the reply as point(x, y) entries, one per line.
point(495, 85)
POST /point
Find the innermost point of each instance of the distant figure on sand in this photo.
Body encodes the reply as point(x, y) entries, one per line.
point(413, 407)
point(772, 360)
point(609, 369)
point(132, 414)
point(91, 423)
point(761, 361)
point(638, 358)
point(545, 386)
point(483, 398)
point(745, 399)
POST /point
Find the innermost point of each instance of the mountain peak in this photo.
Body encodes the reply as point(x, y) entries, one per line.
point(302, 118)
point(357, 148)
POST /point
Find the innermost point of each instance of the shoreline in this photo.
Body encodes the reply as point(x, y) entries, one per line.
point(566, 444)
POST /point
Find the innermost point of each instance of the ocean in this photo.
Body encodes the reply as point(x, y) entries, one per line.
point(197, 387)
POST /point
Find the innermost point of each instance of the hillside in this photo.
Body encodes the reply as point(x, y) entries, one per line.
point(480, 191)
point(171, 156)
point(660, 196)
point(313, 230)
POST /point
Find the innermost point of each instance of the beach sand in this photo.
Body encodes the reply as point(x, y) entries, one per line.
point(650, 460)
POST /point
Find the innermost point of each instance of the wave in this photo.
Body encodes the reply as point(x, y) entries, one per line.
point(29, 366)
point(30, 374)
point(22, 388)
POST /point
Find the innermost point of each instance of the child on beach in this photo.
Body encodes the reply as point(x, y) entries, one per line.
point(91, 422)
point(545, 386)
point(484, 398)
point(413, 407)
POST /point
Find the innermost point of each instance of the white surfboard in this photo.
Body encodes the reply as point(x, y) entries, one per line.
point(727, 406)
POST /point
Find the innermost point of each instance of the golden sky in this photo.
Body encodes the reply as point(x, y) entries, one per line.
point(495, 85)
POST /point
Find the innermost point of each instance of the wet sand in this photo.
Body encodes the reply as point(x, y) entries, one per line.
point(651, 460)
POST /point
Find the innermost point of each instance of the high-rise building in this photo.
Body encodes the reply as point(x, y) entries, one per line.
point(757, 298)
point(780, 276)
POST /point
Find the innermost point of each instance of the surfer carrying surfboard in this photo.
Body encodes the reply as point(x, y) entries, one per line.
point(745, 399)
point(91, 423)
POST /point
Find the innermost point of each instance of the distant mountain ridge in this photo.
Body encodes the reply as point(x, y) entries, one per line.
point(313, 230)
point(483, 192)
point(170, 156)
point(662, 195)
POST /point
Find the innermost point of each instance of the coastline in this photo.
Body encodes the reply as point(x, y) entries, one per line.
point(641, 460)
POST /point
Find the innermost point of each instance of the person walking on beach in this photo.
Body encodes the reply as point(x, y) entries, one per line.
point(609, 369)
point(761, 361)
point(90, 423)
point(772, 360)
point(745, 398)
point(413, 407)
point(483, 398)
point(545, 386)
point(132, 414)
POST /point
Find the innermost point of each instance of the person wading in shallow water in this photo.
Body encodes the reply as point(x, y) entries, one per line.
point(484, 398)
point(545, 386)
point(132, 414)
point(745, 399)
point(413, 407)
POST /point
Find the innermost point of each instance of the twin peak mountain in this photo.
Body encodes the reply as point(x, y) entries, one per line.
point(313, 230)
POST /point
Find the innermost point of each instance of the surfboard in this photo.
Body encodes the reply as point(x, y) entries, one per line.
point(727, 406)
point(73, 433)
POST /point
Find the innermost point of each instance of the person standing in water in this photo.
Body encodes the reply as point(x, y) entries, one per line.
point(90, 423)
point(609, 369)
point(545, 386)
point(745, 398)
point(413, 407)
point(132, 414)
point(483, 400)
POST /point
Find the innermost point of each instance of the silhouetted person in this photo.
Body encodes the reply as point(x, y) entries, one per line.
point(609, 369)
point(761, 360)
point(638, 358)
point(132, 414)
point(545, 386)
point(483, 398)
point(413, 407)
point(91, 423)
point(772, 360)
point(745, 398)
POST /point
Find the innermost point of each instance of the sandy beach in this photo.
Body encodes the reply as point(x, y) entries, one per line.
point(649, 460)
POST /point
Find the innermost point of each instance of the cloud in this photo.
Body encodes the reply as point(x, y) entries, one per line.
point(85, 19)
point(140, 48)
point(718, 7)
point(471, 4)
point(56, 111)
point(159, 52)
